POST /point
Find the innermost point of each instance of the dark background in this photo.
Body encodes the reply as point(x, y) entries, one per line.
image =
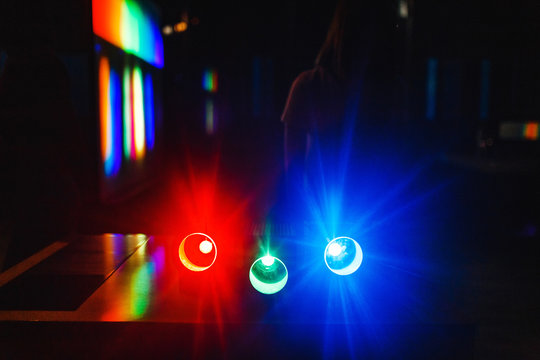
point(489, 236)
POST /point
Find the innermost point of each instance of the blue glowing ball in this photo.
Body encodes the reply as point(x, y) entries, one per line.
point(343, 255)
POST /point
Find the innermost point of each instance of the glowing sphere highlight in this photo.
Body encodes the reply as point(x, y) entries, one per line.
point(267, 260)
point(334, 249)
point(205, 246)
point(197, 252)
point(343, 255)
point(268, 275)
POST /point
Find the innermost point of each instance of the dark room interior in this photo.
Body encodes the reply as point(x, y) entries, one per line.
point(307, 180)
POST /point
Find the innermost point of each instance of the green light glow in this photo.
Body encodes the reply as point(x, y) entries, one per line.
point(127, 112)
point(141, 288)
point(268, 279)
point(130, 25)
point(131, 13)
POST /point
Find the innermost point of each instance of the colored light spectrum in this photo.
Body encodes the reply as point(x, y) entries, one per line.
point(127, 114)
point(530, 131)
point(519, 131)
point(131, 26)
point(210, 80)
point(129, 48)
point(210, 84)
point(133, 116)
point(109, 89)
point(149, 111)
point(138, 113)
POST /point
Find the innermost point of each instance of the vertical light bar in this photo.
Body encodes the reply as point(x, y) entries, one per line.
point(210, 121)
point(210, 80)
point(105, 114)
point(138, 113)
point(115, 93)
point(214, 81)
point(431, 88)
point(149, 111)
point(484, 90)
point(133, 153)
point(158, 46)
point(127, 112)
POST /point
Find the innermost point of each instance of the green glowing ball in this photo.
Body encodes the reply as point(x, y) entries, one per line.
point(268, 274)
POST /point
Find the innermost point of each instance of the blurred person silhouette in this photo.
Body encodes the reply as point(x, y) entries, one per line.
point(39, 143)
point(350, 102)
point(353, 83)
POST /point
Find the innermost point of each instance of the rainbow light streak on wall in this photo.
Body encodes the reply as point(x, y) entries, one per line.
point(126, 114)
point(128, 128)
point(135, 117)
point(105, 110)
point(149, 111)
point(109, 89)
point(116, 120)
point(129, 26)
point(210, 80)
point(138, 113)
point(530, 131)
point(130, 53)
